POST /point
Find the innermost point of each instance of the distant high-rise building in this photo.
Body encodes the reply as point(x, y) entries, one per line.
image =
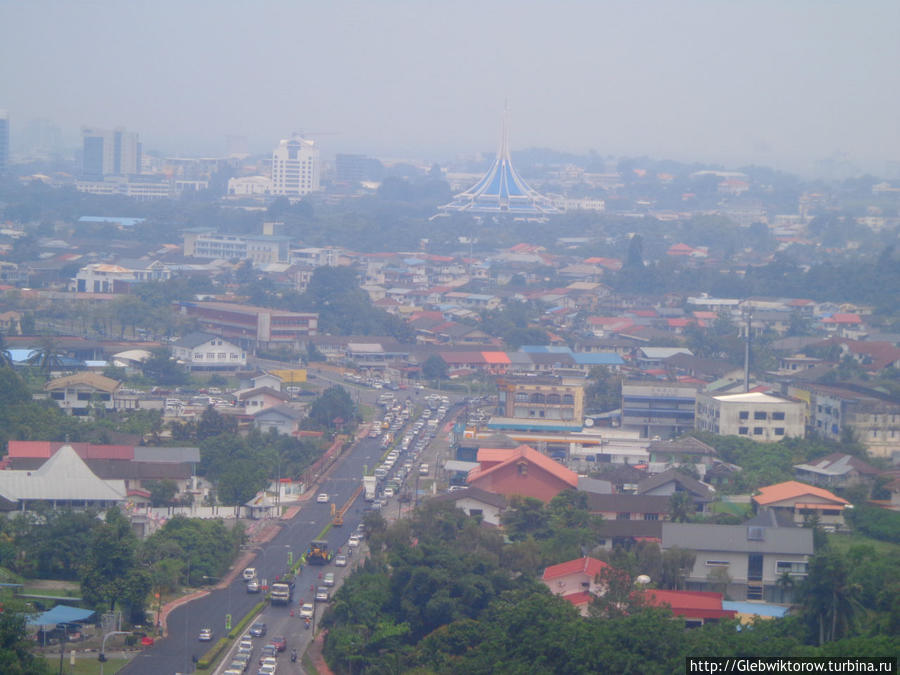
point(110, 152)
point(4, 141)
point(357, 168)
point(295, 167)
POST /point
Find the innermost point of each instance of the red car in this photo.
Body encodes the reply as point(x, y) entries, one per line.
point(279, 642)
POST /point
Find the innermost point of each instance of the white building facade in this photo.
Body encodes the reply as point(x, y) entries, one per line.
point(760, 417)
point(295, 168)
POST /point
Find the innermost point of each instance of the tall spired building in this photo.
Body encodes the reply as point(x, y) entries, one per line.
point(502, 190)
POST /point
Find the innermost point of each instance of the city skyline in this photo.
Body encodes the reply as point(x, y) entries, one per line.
point(767, 84)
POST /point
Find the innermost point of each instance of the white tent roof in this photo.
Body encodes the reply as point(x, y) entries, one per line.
point(63, 477)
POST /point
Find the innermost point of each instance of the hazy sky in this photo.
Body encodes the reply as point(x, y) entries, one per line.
point(782, 82)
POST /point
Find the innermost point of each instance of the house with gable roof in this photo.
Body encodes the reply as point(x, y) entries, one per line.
point(77, 394)
point(837, 470)
point(577, 581)
point(522, 471)
point(206, 351)
point(796, 502)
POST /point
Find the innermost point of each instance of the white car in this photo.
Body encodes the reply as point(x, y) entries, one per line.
point(249, 573)
point(353, 542)
point(306, 610)
point(322, 498)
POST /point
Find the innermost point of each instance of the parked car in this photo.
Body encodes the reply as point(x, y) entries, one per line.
point(206, 635)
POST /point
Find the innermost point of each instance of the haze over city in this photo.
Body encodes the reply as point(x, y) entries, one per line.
point(782, 84)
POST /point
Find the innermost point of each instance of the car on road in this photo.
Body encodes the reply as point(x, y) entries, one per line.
point(322, 594)
point(306, 610)
point(353, 542)
point(233, 671)
point(328, 580)
point(253, 586)
point(322, 498)
point(267, 652)
point(237, 666)
point(243, 659)
point(267, 669)
point(206, 635)
point(258, 629)
point(279, 642)
point(340, 560)
point(249, 573)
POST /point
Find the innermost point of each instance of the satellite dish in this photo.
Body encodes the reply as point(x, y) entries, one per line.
point(643, 580)
point(588, 422)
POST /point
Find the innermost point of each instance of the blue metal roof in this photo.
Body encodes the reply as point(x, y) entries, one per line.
point(598, 359)
point(61, 614)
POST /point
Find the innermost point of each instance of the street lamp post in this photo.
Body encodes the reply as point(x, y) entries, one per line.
point(102, 657)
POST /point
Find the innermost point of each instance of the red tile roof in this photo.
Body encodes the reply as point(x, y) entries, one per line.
point(44, 449)
point(522, 452)
point(589, 566)
point(690, 604)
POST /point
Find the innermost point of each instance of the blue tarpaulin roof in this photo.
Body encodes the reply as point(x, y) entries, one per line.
point(61, 614)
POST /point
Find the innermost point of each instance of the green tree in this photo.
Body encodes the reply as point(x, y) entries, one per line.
point(333, 409)
point(681, 507)
point(16, 657)
point(162, 492)
point(829, 597)
point(435, 368)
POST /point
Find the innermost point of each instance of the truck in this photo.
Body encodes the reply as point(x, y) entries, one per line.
point(318, 553)
point(282, 592)
point(370, 484)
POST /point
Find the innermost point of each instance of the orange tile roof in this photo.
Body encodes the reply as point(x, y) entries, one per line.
point(793, 489)
point(524, 452)
point(495, 357)
point(590, 566)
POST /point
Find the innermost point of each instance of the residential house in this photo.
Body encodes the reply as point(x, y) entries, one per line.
point(670, 482)
point(78, 394)
point(685, 451)
point(578, 581)
point(837, 470)
point(695, 607)
point(208, 352)
point(254, 400)
point(487, 506)
point(629, 507)
point(282, 419)
point(752, 557)
point(522, 471)
point(798, 502)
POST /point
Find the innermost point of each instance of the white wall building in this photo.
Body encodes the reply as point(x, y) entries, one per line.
point(205, 351)
point(249, 186)
point(760, 417)
point(295, 167)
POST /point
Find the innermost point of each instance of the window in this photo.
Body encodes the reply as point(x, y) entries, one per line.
point(779, 431)
point(717, 563)
point(744, 415)
point(651, 516)
point(759, 415)
point(521, 397)
point(623, 516)
point(743, 431)
point(757, 431)
point(790, 566)
point(777, 415)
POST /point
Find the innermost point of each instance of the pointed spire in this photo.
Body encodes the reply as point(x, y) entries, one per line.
point(504, 133)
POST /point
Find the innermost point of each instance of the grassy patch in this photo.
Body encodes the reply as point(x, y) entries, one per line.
point(842, 542)
point(308, 664)
point(87, 666)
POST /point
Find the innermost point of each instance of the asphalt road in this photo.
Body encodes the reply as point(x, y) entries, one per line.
point(173, 654)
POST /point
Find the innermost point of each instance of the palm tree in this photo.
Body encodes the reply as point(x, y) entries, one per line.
point(5, 357)
point(786, 583)
point(46, 356)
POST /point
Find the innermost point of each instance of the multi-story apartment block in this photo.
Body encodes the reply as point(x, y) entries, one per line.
point(106, 278)
point(110, 152)
point(761, 417)
point(249, 325)
point(259, 249)
point(295, 168)
point(543, 399)
point(658, 409)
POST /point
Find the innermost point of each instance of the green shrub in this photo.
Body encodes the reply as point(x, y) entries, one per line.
point(243, 623)
point(209, 658)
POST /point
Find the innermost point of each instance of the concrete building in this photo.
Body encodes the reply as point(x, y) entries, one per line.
point(259, 249)
point(106, 278)
point(658, 409)
point(760, 417)
point(78, 394)
point(543, 398)
point(109, 152)
point(751, 556)
point(249, 325)
point(295, 168)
